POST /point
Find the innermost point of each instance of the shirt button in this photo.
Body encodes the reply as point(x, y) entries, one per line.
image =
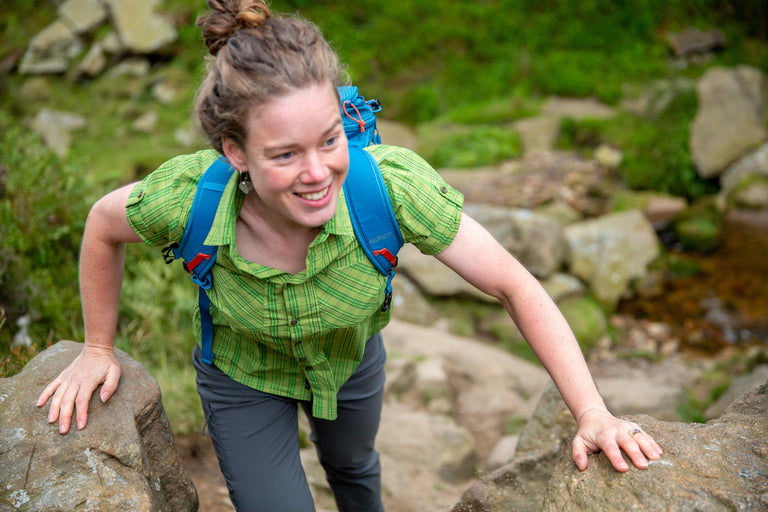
point(294, 322)
point(444, 190)
point(140, 193)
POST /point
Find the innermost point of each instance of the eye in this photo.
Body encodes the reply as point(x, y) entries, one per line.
point(284, 156)
point(331, 141)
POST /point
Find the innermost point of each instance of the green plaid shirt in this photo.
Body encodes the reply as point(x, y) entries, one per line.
point(298, 335)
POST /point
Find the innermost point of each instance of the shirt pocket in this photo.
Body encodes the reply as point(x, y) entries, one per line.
point(349, 294)
point(238, 302)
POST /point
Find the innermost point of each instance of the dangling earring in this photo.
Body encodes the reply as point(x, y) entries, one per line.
point(245, 185)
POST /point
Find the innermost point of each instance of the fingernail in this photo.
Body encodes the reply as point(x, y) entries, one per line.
point(80, 425)
point(62, 429)
point(51, 418)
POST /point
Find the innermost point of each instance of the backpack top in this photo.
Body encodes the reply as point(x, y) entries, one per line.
point(359, 117)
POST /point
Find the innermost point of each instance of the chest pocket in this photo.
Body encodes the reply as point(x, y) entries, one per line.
point(349, 294)
point(244, 308)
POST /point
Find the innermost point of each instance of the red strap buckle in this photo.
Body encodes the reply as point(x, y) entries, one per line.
point(388, 255)
point(196, 261)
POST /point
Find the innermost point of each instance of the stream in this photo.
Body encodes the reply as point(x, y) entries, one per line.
point(724, 303)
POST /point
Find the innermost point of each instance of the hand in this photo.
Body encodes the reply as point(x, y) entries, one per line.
point(600, 430)
point(76, 383)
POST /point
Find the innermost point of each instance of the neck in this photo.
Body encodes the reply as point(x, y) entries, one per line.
point(273, 244)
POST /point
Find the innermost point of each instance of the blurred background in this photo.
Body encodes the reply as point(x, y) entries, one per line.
point(97, 94)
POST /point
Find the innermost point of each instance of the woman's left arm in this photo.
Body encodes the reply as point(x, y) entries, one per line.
point(477, 257)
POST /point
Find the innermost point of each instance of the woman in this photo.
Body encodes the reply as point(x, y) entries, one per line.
point(295, 303)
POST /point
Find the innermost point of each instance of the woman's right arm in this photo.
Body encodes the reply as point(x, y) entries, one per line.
point(102, 261)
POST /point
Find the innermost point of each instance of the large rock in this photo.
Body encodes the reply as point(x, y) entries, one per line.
point(480, 386)
point(730, 119)
point(742, 177)
point(83, 15)
point(693, 41)
point(56, 127)
point(720, 465)
point(51, 50)
point(141, 30)
point(434, 278)
point(125, 459)
point(536, 240)
point(521, 484)
point(610, 251)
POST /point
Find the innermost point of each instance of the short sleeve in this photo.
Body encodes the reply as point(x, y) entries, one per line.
point(427, 209)
point(158, 206)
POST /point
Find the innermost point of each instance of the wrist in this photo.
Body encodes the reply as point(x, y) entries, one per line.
point(98, 348)
point(591, 412)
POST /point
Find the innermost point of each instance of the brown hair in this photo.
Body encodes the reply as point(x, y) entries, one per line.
point(255, 56)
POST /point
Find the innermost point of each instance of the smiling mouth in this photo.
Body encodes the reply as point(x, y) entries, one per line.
point(315, 196)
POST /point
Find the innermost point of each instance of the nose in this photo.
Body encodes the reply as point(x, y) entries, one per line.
point(316, 169)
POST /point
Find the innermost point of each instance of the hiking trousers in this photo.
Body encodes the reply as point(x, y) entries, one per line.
point(256, 438)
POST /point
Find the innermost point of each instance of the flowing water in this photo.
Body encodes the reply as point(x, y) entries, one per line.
point(726, 302)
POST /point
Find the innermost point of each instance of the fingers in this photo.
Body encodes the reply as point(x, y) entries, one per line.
point(613, 452)
point(645, 443)
point(110, 383)
point(72, 390)
point(613, 437)
point(49, 390)
point(579, 453)
point(67, 397)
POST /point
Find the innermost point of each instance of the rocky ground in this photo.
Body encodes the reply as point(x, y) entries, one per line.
point(629, 386)
point(639, 370)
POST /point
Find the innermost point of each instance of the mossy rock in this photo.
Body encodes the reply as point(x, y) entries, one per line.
point(699, 227)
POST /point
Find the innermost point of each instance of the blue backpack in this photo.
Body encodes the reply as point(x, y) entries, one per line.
point(370, 210)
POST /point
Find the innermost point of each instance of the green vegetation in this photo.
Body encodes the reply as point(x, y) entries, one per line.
point(656, 151)
point(460, 72)
point(42, 214)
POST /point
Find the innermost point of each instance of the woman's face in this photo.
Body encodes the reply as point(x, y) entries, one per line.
point(296, 154)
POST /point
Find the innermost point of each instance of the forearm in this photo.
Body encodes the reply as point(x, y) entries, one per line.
point(479, 259)
point(102, 262)
point(101, 276)
point(547, 332)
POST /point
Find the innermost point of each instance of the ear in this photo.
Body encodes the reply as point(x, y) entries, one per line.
point(234, 154)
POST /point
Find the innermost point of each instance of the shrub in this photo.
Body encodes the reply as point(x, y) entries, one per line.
point(42, 214)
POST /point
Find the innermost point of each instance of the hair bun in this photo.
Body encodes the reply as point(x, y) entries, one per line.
point(227, 17)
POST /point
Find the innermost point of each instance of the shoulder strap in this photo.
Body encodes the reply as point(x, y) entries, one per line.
point(198, 258)
point(373, 218)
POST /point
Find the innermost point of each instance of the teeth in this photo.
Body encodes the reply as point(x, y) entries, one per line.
point(315, 196)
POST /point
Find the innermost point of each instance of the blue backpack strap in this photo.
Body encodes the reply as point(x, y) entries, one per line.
point(373, 218)
point(198, 257)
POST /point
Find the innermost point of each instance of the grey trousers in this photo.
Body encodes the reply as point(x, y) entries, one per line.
point(256, 438)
